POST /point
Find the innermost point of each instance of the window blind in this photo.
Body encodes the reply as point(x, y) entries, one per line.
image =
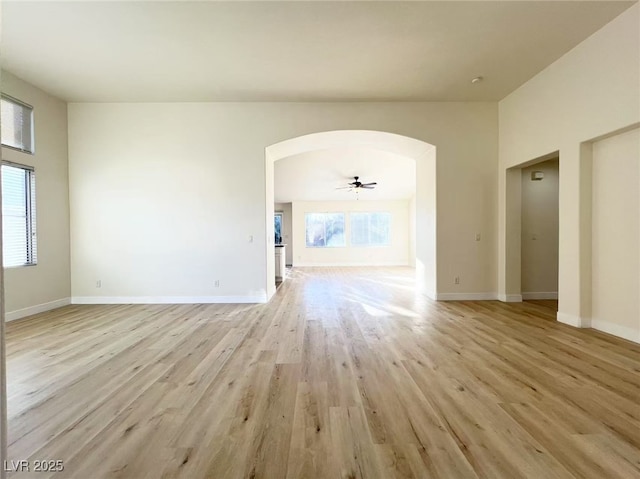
point(370, 229)
point(16, 124)
point(18, 216)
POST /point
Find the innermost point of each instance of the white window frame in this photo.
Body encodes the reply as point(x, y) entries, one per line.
point(369, 245)
point(344, 231)
point(29, 149)
point(31, 242)
point(278, 214)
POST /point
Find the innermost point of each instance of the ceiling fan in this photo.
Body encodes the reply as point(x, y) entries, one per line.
point(358, 185)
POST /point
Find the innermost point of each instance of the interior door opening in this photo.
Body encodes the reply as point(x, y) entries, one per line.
point(539, 234)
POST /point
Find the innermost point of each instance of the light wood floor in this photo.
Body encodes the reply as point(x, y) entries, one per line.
point(345, 373)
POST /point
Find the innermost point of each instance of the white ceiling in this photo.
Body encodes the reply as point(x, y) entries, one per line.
point(290, 51)
point(314, 176)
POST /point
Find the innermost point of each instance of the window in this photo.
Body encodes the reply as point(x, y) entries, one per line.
point(18, 215)
point(370, 229)
point(17, 124)
point(277, 227)
point(324, 230)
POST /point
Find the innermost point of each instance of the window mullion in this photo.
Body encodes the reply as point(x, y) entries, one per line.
point(324, 225)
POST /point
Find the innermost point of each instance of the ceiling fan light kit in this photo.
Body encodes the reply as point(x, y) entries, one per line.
point(357, 185)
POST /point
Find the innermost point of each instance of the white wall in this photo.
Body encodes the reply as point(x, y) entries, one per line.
point(540, 232)
point(589, 92)
point(287, 235)
point(616, 235)
point(162, 207)
point(397, 253)
point(32, 289)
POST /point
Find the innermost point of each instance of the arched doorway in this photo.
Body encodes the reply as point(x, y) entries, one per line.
point(424, 155)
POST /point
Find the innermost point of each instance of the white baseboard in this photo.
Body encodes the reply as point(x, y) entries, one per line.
point(571, 320)
point(510, 298)
point(623, 332)
point(38, 308)
point(168, 299)
point(466, 296)
point(540, 295)
point(356, 263)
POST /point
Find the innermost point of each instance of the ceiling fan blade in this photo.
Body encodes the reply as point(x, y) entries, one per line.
point(368, 187)
point(343, 187)
point(369, 184)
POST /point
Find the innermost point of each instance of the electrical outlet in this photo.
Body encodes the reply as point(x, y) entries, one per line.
point(478, 236)
point(99, 283)
point(456, 280)
point(217, 283)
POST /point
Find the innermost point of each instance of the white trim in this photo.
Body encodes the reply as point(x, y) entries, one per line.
point(38, 308)
point(268, 295)
point(432, 295)
point(168, 299)
point(624, 332)
point(357, 263)
point(510, 298)
point(540, 295)
point(570, 319)
point(466, 296)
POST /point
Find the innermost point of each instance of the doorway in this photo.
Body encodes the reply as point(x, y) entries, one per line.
point(539, 232)
point(424, 155)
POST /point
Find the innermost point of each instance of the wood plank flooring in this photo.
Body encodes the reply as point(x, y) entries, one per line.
point(346, 373)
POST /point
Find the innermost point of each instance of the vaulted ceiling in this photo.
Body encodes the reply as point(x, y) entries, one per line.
point(316, 175)
point(291, 51)
point(166, 51)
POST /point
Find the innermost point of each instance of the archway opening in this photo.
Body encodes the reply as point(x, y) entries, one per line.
point(424, 155)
